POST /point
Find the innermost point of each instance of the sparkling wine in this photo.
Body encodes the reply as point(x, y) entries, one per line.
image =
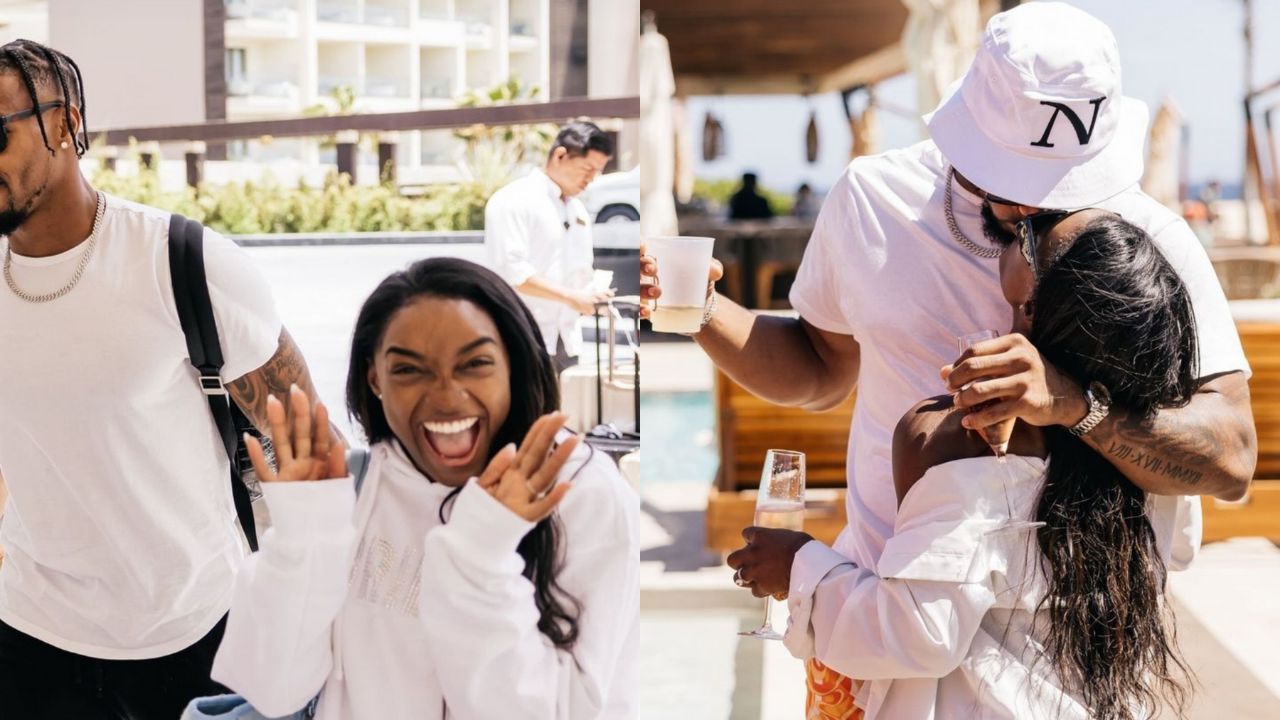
point(997, 435)
point(784, 515)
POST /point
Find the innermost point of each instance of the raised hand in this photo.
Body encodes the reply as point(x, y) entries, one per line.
point(309, 452)
point(524, 479)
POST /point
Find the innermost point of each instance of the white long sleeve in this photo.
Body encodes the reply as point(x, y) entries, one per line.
point(869, 627)
point(944, 627)
point(277, 650)
point(481, 621)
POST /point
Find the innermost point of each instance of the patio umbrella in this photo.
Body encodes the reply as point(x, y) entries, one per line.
point(940, 40)
point(684, 150)
point(1160, 180)
point(865, 128)
point(657, 136)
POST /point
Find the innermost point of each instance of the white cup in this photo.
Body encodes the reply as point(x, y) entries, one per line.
point(683, 264)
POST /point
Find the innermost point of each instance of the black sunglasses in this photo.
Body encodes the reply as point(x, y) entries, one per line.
point(997, 200)
point(1029, 230)
point(29, 112)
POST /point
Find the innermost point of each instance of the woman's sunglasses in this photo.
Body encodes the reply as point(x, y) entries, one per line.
point(29, 112)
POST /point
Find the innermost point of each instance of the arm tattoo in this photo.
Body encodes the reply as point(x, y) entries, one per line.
point(284, 368)
point(1196, 449)
point(1122, 453)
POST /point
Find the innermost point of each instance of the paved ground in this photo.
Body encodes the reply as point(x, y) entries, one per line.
point(695, 666)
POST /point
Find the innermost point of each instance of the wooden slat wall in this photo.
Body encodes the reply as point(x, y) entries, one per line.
point(750, 426)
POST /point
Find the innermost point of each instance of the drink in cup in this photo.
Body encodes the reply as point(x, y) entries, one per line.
point(683, 264)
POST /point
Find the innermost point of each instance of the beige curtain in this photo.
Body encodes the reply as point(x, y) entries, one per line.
point(1160, 180)
point(940, 40)
point(657, 137)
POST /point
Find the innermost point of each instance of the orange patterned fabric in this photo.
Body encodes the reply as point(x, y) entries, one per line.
point(830, 695)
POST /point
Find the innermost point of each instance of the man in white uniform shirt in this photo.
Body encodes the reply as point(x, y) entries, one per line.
point(538, 236)
point(904, 259)
point(119, 533)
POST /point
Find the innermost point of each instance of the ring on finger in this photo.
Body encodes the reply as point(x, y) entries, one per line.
point(537, 494)
point(739, 580)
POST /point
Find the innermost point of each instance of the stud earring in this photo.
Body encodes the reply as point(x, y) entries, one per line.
point(65, 145)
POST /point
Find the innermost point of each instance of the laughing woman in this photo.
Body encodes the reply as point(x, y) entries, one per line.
point(463, 577)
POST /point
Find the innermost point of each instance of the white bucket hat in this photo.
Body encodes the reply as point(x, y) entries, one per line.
point(1038, 118)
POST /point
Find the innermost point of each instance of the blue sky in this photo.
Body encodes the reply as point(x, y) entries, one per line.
point(1191, 50)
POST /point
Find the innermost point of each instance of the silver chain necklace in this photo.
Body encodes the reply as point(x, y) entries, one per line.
point(989, 253)
point(84, 260)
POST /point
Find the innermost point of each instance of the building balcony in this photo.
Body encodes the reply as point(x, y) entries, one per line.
point(246, 97)
point(338, 12)
point(437, 89)
point(348, 13)
point(261, 19)
point(386, 87)
point(522, 43)
point(385, 16)
point(326, 84)
point(477, 27)
point(440, 32)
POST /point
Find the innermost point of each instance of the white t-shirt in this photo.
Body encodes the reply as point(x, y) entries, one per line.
point(120, 533)
point(529, 229)
point(882, 266)
point(430, 615)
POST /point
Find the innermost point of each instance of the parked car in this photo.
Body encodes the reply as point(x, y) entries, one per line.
point(614, 197)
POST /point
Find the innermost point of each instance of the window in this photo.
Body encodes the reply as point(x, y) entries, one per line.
point(237, 75)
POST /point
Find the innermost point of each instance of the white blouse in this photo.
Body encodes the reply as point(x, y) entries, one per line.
point(945, 626)
point(389, 613)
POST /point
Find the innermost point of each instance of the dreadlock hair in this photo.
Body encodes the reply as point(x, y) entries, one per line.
point(39, 65)
point(1111, 308)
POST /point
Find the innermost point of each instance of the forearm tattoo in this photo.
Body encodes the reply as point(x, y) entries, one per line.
point(1196, 449)
point(284, 369)
point(1122, 452)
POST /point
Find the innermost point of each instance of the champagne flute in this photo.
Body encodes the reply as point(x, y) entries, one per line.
point(779, 504)
point(997, 437)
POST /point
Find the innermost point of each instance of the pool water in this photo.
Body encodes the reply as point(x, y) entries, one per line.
point(679, 438)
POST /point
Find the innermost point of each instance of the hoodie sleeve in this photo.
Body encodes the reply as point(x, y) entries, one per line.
point(481, 620)
point(277, 649)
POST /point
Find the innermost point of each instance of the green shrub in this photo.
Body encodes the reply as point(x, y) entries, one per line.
point(336, 206)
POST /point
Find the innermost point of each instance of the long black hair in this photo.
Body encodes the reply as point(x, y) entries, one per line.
point(1110, 308)
point(534, 392)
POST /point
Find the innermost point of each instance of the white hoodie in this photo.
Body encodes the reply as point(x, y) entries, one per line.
point(388, 613)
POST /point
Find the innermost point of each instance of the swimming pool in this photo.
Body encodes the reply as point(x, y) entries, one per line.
point(678, 431)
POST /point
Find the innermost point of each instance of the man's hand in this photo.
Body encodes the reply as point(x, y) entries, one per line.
point(649, 289)
point(584, 301)
point(1008, 377)
point(764, 564)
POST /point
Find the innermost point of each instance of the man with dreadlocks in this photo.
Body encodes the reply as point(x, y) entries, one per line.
point(119, 534)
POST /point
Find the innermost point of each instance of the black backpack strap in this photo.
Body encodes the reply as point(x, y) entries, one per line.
point(195, 313)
